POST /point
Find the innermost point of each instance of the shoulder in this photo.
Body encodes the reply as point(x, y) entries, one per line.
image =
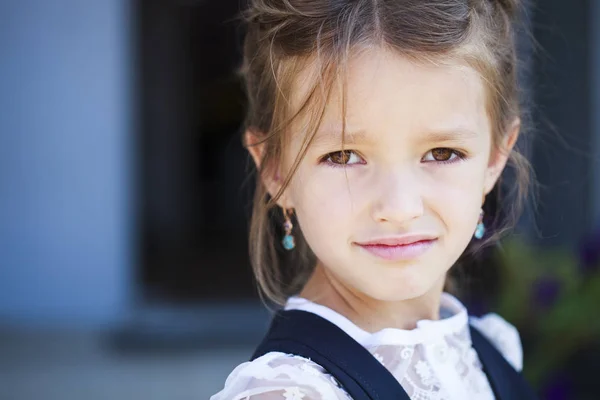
point(280, 376)
point(503, 335)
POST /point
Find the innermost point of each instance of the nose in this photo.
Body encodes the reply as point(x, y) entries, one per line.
point(398, 198)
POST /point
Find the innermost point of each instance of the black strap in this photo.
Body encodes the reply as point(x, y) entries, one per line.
point(310, 336)
point(360, 374)
point(506, 382)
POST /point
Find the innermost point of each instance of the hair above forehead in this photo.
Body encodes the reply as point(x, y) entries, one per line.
point(436, 22)
point(282, 32)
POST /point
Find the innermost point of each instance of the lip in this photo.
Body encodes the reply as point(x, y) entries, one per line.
point(398, 240)
point(399, 248)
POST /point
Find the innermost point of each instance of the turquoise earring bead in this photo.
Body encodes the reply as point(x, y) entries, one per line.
point(288, 242)
point(480, 230)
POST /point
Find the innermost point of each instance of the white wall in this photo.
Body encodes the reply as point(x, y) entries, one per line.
point(65, 162)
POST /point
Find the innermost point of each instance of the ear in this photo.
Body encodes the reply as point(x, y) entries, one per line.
point(269, 174)
point(499, 156)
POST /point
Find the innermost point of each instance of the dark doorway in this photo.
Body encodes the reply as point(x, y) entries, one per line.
point(194, 193)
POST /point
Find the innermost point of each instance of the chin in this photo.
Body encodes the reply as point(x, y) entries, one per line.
point(400, 291)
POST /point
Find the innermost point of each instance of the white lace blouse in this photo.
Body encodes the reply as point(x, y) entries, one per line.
point(434, 361)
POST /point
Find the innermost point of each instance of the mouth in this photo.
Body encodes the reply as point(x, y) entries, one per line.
point(398, 249)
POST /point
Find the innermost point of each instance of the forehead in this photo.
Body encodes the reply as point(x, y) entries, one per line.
point(385, 91)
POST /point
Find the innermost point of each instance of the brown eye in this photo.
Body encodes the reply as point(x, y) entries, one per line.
point(442, 154)
point(345, 157)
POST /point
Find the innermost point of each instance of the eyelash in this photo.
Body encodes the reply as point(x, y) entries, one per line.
point(460, 156)
point(326, 159)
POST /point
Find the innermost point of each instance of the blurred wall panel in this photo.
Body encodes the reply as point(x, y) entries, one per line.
point(563, 120)
point(64, 162)
point(595, 81)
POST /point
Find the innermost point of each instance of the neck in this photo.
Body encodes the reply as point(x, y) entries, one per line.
point(371, 314)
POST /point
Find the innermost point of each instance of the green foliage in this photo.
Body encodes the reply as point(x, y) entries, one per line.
point(552, 301)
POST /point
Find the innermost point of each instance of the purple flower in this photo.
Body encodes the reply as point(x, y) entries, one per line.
point(559, 387)
point(546, 291)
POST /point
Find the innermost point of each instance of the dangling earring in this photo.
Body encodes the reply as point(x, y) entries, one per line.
point(288, 240)
point(480, 229)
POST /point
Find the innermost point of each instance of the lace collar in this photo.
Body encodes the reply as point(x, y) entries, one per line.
point(453, 320)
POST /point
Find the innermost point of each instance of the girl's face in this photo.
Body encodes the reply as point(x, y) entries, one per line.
point(418, 160)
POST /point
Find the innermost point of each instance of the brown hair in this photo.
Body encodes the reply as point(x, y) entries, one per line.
point(284, 37)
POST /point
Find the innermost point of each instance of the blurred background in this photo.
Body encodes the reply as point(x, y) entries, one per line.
point(124, 201)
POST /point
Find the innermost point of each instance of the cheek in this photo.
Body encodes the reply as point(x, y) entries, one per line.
point(324, 206)
point(455, 196)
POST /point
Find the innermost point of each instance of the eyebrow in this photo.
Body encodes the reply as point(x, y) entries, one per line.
point(350, 137)
point(449, 135)
point(458, 134)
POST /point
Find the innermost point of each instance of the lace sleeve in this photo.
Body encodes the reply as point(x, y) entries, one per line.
point(503, 335)
point(279, 376)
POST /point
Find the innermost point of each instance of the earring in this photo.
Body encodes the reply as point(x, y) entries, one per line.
point(288, 240)
point(480, 229)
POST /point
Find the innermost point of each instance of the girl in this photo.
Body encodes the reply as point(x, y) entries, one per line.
point(380, 129)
